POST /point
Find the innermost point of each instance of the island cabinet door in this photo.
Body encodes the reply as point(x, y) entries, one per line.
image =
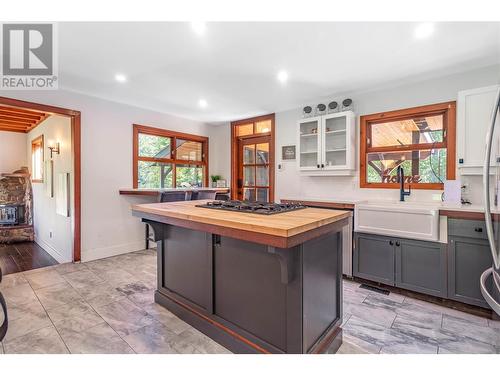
point(249, 292)
point(186, 259)
point(322, 294)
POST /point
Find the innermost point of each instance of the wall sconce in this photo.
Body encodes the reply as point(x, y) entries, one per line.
point(54, 149)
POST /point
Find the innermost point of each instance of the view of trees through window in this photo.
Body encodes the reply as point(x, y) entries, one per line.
point(166, 162)
point(415, 139)
point(429, 165)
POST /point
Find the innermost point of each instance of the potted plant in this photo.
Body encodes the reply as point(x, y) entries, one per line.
point(215, 178)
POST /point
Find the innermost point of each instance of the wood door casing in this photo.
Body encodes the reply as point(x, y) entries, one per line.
point(236, 152)
point(76, 145)
point(254, 164)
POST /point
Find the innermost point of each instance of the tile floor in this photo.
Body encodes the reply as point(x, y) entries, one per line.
point(397, 324)
point(104, 306)
point(107, 306)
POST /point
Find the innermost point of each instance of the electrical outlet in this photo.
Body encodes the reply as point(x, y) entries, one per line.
point(50, 234)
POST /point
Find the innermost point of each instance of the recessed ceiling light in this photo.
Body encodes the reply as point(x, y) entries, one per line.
point(121, 77)
point(199, 27)
point(202, 103)
point(424, 30)
point(282, 76)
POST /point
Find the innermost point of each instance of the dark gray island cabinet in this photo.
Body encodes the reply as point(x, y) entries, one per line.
point(253, 283)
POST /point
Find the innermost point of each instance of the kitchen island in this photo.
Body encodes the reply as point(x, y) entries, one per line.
point(254, 283)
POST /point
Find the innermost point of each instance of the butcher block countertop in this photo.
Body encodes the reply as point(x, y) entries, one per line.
point(281, 230)
point(156, 192)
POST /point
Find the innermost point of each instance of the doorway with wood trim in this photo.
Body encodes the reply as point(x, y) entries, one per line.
point(252, 159)
point(16, 117)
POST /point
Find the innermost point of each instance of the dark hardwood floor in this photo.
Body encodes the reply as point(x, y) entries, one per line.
point(23, 256)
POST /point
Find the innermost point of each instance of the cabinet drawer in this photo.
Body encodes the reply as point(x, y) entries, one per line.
point(467, 228)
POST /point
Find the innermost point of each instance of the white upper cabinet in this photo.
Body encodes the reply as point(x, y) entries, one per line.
point(326, 144)
point(474, 110)
point(309, 143)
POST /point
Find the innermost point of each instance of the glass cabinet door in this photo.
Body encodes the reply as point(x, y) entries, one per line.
point(309, 136)
point(335, 141)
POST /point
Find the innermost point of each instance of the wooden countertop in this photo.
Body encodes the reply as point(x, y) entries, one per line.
point(155, 192)
point(313, 202)
point(281, 230)
point(454, 211)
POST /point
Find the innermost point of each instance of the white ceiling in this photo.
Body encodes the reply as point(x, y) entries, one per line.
point(234, 65)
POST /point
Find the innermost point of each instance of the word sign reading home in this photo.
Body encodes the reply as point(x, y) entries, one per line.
point(29, 56)
point(407, 179)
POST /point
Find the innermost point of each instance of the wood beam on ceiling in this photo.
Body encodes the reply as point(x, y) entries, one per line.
point(18, 119)
point(33, 116)
point(20, 111)
point(24, 127)
point(33, 126)
point(20, 122)
point(14, 123)
point(9, 129)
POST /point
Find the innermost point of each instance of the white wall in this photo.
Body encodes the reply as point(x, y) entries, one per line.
point(53, 232)
point(289, 183)
point(12, 151)
point(220, 151)
point(108, 227)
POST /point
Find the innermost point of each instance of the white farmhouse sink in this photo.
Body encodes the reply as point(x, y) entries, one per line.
point(418, 221)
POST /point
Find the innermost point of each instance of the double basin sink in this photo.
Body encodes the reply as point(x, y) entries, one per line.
point(399, 219)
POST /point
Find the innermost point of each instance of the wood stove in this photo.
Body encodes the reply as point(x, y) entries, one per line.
point(11, 214)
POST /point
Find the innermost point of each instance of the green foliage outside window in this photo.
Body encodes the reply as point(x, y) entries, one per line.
point(154, 175)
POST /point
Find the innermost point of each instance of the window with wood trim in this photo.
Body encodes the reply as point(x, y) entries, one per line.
point(168, 159)
point(421, 140)
point(37, 159)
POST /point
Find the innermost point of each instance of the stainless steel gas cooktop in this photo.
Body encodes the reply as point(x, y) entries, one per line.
point(262, 208)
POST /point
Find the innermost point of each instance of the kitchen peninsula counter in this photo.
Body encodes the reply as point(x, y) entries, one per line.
point(156, 192)
point(254, 283)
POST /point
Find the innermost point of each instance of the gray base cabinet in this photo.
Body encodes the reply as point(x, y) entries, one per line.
point(432, 268)
point(421, 267)
point(373, 258)
point(469, 256)
point(415, 265)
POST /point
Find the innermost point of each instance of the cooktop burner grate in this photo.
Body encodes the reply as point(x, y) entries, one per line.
point(252, 207)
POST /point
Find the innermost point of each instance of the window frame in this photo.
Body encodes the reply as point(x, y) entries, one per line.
point(173, 135)
point(447, 109)
point(38, 142)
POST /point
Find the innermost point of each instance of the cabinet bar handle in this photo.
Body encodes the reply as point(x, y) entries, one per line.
point(217, 240)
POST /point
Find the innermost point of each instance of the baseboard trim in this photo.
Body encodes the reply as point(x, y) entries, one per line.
point(53, 252)
point(106, 252)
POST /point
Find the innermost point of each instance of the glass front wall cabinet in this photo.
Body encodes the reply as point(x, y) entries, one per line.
point(327, 144)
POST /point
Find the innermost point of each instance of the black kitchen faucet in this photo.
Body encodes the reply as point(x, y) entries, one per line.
point(401, 180)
